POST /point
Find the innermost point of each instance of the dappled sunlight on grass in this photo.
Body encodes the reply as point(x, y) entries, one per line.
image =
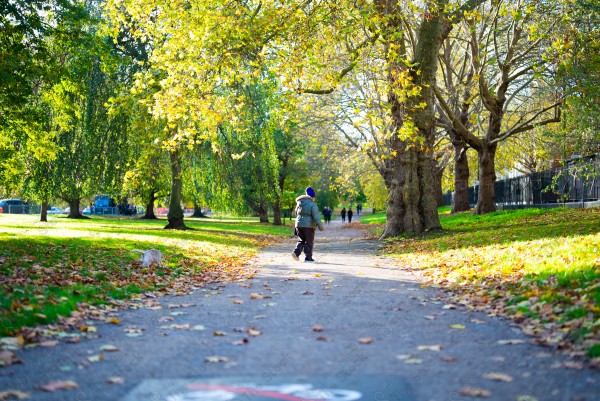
point(541, 267)
point(47, 269)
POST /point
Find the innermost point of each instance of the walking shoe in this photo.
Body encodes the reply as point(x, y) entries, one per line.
point(295, 256)
point(309, 260)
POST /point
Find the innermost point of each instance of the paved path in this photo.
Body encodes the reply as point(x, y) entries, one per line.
point(261, 339)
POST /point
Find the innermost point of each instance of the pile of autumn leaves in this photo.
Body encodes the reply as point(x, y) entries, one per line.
point(541, 270)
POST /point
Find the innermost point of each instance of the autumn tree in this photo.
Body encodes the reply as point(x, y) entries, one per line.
point(514, 82)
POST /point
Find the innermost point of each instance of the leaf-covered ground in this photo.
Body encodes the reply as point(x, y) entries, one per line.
point(64, 272)
point(541, 267)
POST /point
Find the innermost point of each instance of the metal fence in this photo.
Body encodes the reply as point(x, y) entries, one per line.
point(577, 182)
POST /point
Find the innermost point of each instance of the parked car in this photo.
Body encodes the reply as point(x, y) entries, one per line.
point(14, 206)
point(55, 210)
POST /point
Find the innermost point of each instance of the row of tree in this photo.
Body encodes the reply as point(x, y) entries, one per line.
point(238, 104)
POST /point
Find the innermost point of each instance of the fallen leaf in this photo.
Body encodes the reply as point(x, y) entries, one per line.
point(307, 293)
point(178, 313)
point(174, 326)
point(115, 380)
point(59, 385)
point(253, 332)
point(457, 326)
point(430, 317)
point(413, 361)
point(218, 333)
point(572, 365)
point(323, 338)
point(216, 359)
point(317, 328)
point(403, 356)
point(474, 392)
point(172, 306)
point(318, 275)
point(113, 320)
point(198, 327)
point(510, 342)
point(526, 397)
point(48, 343)
point(501, 377)
point(109, 348)
point(95, 358)
point(163, 319)
point(365, 340)
point(595, 363)
point(448, 359)
point(243, 341)
point(429, 348)
point(477, 321)
point(449, 306)
point(237, 302)
point(256, 295)
point(8, 358)
point(13, 395)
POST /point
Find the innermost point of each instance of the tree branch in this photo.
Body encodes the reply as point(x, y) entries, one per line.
point(461, 130)
point(529, 125)
point(354, 60)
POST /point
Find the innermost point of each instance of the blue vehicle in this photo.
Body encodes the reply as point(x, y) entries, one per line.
point(104, 204)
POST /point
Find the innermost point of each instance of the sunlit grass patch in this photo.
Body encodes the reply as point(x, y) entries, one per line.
point(541, 267)
point(48, 269)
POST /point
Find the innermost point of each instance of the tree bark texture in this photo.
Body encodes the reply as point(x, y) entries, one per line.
point(44, 212)
point(486, 201)
point(175, 215)
point(461, 174)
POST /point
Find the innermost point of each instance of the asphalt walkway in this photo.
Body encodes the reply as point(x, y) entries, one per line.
point(351, 326)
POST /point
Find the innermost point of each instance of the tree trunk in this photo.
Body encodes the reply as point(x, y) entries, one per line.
point(487, 178)
point(198, 211)
point(277, 212)
point(412, 205)
point(263, 214)
point(175, 215)
point(461, 174)
point(74, 208)
point(439, 194)
point(149, 215)
point(44, 212)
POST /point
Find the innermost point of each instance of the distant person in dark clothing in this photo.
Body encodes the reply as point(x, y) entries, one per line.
point(343, 213)
point(358, 209)
point(327, 214)
point(349, 215)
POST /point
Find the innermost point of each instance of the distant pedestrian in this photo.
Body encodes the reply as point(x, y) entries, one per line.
point(358, 209)
point(327, 214)
point(349, 215)
point(307, 220)
point(343, 213)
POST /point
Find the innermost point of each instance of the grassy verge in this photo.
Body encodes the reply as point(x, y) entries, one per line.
point(48, 270)
point(539, 266)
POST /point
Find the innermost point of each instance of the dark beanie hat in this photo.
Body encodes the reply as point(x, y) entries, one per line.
point(310, 192)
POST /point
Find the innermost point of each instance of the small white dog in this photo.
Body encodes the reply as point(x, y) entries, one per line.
point(150, 257)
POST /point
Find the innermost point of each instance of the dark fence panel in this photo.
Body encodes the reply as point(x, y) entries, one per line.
point(577, 181)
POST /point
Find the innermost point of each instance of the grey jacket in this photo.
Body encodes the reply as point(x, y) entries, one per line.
point(307, 213)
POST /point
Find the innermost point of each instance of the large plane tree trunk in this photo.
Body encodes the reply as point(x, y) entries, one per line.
point(412, 206)
point(74, 208)
point(486, 201)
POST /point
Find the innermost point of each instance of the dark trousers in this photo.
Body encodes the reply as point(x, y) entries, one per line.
point(306, 240)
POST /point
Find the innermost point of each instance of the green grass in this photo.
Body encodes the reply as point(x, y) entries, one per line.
point(537, 265)
point(46, 269)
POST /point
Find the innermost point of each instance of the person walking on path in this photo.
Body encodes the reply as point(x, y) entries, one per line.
point(349, 215)
point(343, 213)
point(327, 214)
point(307, 220)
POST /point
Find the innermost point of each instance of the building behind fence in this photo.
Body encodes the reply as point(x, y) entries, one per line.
point(578, 182)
